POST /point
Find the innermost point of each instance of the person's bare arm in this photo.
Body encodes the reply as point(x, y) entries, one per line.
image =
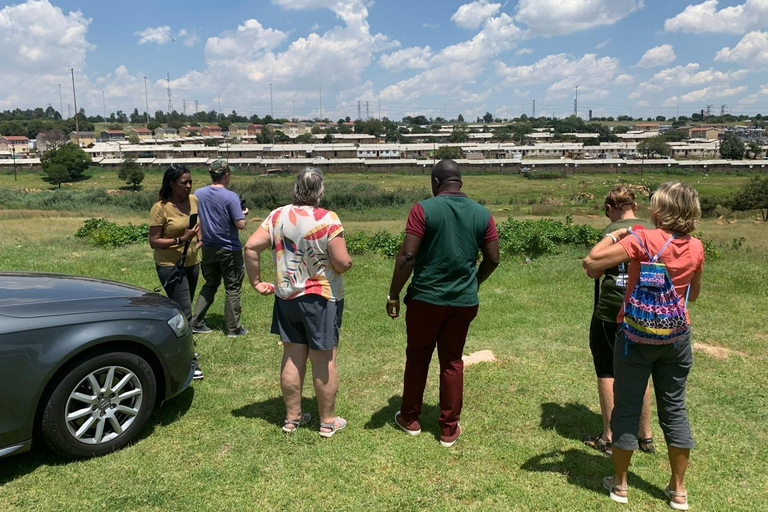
point(156, 240)
point(338, 254)
point(695, 287)
point(404, 262)
point(240, 224)
point(606, 254)
point(490, 261)
point(256, 244)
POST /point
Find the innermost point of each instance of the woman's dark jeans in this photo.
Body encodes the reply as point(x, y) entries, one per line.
point(180, 285)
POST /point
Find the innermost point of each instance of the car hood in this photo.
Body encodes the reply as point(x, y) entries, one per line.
point(40, 295)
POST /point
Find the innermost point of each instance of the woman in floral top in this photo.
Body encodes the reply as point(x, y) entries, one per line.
point(309, 255)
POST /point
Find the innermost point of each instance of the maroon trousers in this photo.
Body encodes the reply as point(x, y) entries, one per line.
point(427, 326)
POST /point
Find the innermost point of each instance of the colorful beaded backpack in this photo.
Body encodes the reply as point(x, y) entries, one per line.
point(654, 314)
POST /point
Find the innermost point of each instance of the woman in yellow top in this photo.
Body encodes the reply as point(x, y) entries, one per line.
point(174, 233)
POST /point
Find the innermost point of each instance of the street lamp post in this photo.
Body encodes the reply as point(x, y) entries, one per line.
point(13, 157)
point(146, 101)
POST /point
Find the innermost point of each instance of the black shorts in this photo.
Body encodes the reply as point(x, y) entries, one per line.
point(311, 320)
point(602, 336)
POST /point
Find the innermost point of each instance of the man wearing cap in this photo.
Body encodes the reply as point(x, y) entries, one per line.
point(221, 217)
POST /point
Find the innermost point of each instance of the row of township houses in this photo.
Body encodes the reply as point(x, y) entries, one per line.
point(11, 145)
point(112, 153)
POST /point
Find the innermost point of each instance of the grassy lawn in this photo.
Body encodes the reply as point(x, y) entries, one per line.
point(218, 446)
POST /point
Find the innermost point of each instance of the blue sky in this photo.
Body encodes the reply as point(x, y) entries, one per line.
point(432, 57)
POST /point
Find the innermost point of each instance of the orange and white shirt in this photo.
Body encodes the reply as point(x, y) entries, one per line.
point(300, 236)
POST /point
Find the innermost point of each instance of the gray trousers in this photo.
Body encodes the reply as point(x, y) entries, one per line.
point(633, 364)
point(217, 265)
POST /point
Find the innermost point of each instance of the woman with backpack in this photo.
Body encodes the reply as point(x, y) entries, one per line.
point(620, 207)
point(665, 266)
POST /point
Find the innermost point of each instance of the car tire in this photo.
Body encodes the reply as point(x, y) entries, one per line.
point(99, 406)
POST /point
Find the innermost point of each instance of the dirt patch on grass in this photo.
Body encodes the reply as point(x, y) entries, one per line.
point(482, 356)
point(717, 352)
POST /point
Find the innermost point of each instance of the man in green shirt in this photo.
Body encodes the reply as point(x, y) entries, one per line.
point(443, 236)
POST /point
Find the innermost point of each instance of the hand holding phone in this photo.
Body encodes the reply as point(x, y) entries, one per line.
point(192, 220)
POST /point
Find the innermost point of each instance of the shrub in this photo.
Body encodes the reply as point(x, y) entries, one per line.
point(539, 237)
point(381, 242)
point(545, 175)
point(711, 251)
point(103, 233)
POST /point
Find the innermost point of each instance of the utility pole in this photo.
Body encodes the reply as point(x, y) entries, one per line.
point(358, 111)
point(61, 102)
point(146, 101)
point(196, 106)
point(294, 111)
point(219, 108)
point(168, 86)
point(533, 112)
point(321, 104)
point(184, 106)
point(272, 106)
point(74, 96)
point(104, 102)
point(13, 153)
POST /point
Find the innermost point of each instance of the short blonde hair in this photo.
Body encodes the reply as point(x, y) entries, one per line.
point(621, 197)
point(675, 206)
point(309, 187)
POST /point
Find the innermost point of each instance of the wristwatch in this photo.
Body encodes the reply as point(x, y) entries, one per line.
point(390, 299)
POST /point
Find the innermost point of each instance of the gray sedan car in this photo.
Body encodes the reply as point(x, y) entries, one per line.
point(83, 362)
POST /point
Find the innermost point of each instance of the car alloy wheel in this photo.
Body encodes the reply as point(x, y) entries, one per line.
point(100, 405)
point(103, 405)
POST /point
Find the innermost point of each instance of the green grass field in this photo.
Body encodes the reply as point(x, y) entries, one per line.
point(218, 446)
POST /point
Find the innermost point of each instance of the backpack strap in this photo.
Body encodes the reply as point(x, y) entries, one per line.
point(658, 254)
point(641, 245)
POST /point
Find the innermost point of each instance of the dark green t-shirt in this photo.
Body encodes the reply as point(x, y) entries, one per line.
point(612, 295)
point(445, 272)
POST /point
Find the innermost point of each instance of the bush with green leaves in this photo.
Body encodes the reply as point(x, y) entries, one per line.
point(752, 196)
point(539, 237)
point(104, 233)
point(381, 242)
point(69, 156)
point(544, 175)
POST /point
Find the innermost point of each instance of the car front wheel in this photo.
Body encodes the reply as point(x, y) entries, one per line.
point(99, 406)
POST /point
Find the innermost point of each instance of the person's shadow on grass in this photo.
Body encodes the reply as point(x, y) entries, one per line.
point(272, 410)
point(585, 470)
point(386, 416)
point(572, 420)
point(25, 463)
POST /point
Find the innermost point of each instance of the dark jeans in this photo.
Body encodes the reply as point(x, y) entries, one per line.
point(669, 365)
point(180, 285)
point(446, 327)
point(217, 265)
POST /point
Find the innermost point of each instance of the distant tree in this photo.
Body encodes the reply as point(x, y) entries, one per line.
point(52, 139)
point(592, 141)
point(675, 135)
point(502, 133)
point(211, 143)
point(373, 127)
point(460, 118)
point(304, 138)
point(316, 129)
point(661, 118)
point(755, 149)
point(281, 137)
point(620, 128)
point(488, 118)
point(731, 147)
point(452, 152)
point(71, 157)
point(134, 139)
point(753, 196)
point(653, 146)
point(121, 117)
point(56, 174)
point(135, 116)
point(458, 135)
point(130, 172)
point(328, 139)
point(153, 125)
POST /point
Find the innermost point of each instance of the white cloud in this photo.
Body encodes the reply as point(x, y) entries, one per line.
point(642, 104)
point(657, 56)
point(558, 17)
point(157, 35)
point(430, 25)
point(524, 51)
point(249, 41)
point(624, 79)
point(472, 15)
point(705, 17)
point(672, 101)
point(563, 73)
point(38, 43)
point(597, 94)
point(187, 38)
point(686, 76)
point(458, 65)
point(407, 58)
point(602, 44)
point(752, 50)
point(759, 97)
point(711, 94)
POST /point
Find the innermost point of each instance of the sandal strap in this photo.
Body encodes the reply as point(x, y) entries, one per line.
point(645, 440)
point(677, 494)
point(616, 487)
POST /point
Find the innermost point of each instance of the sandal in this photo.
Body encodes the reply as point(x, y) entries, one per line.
point(610, 487)
point(598, 443)
point(337, 424)
point(646, 444)
point(676, 494)
point(291, 425)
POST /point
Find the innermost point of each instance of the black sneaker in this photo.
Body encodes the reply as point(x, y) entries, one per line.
point(242, 332)
point(198, 373)
point(203, 329)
